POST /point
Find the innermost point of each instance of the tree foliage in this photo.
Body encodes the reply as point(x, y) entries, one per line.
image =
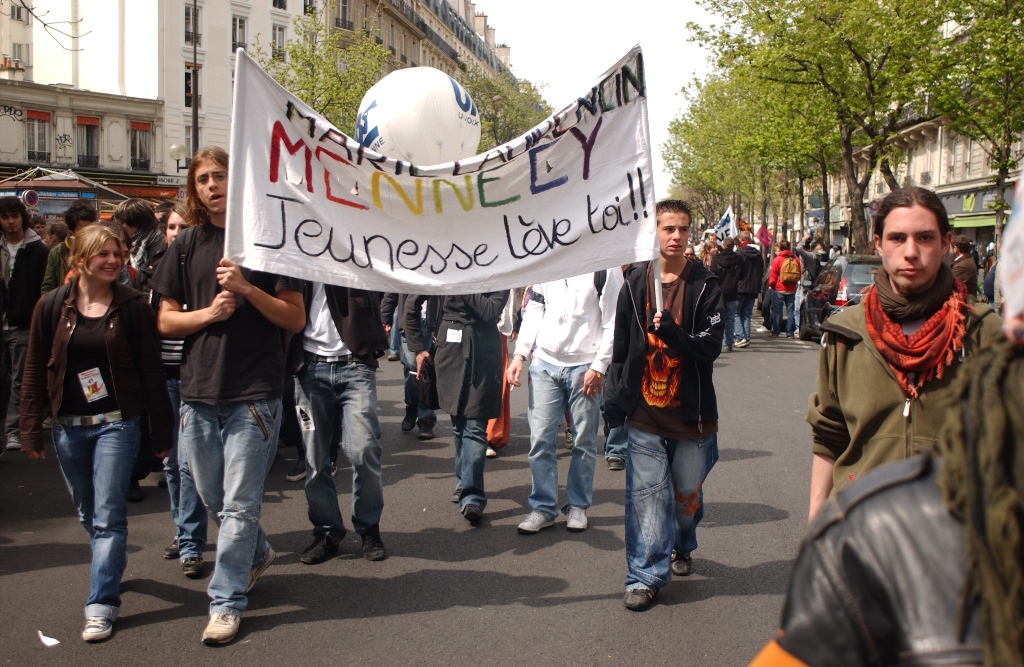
point(978, 83)
point(327, 72)
point(508, 106)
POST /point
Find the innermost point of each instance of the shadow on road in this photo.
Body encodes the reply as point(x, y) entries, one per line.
point(711, 579)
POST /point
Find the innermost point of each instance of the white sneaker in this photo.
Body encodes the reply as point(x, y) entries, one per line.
point(97, 628)
point(577, 520)
point(221, 629)
point(534, 522)
point(492, 453)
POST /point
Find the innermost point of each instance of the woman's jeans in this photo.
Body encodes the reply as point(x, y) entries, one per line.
point(97, 462)
point(186, 508)
point(229, 449)
point(664, 502)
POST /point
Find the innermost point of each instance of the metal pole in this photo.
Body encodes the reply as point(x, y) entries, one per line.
point(195, 77)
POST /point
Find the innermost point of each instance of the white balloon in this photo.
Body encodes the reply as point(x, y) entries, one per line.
point(420, 115)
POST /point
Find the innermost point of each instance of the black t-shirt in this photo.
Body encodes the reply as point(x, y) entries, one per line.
point(87, 387)
point(239, 359)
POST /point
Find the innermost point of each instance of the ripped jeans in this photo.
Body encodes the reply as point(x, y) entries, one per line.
point(229, 449)
point(664, 502)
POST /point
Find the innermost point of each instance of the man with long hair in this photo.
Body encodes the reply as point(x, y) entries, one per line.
point(232, 376)
point(887, 365)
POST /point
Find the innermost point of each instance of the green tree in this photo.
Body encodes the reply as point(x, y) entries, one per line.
point(508, 106)
point(327, 69)
point(978, 84)
point(862, 55)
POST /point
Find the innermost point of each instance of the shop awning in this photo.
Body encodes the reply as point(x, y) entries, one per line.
point(988, 220)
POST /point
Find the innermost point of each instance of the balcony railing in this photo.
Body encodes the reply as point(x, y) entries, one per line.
point(280, 4)
point(343, 24)
point(189, 36)
point(188, 100)
point(404, 58)
point(140, 164)
point(378, 39)
point(39, 156)
point(237, 45)
point(392, 50)
point(277, 54)
point(89, 161)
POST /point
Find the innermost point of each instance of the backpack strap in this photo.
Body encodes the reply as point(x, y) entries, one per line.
point(600, 278)
point(52, 309)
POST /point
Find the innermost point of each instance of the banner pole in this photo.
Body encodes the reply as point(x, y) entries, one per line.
point(659, 304)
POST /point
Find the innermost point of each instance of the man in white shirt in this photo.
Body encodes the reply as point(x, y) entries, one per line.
point(336, 399)
point(569, 326)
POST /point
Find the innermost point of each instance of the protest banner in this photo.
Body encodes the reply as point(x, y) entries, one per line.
point(1012, 258)
point(571, 196)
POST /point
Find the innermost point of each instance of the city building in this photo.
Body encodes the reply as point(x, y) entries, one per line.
point(64, 103)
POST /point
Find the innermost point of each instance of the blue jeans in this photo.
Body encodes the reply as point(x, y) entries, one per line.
point(615, 442)
point(341, 403)
point(552, 388)
point(15, 350)
point(395, 334)
point(424, 415)
point(186, 508)
point(97, 463)
point(470, 437)
point(664, 502)
point(744, 311)
point(229, 449)
point(780, 298)
point(729, 314)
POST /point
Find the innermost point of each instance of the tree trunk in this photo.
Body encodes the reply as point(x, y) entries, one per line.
point(803, 212)
point(823, 166)
point(785, 204)
point(764, 199)
point(856, 187)
point(890, 178)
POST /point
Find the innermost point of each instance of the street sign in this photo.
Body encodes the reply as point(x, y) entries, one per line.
point(30, 197)
point(170, 180)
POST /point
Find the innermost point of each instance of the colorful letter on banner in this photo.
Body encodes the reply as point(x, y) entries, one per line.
point(572, 196)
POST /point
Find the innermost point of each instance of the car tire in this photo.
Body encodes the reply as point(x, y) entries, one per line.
point(805, 329)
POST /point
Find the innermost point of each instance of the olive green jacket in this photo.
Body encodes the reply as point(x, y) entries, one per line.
point(859, 415)
point(56, 267)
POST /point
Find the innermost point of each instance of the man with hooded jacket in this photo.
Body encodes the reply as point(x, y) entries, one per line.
point(659, 385)
point(728, 266)
point(749, 286)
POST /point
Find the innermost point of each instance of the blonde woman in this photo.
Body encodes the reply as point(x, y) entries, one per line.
point(103, 338)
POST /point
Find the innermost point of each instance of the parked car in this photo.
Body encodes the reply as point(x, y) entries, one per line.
point(841, 283)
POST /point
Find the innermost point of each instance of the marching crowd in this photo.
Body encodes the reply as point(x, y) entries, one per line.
point(140, 332)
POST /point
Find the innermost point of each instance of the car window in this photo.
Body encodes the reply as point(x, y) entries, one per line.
point(861, 275)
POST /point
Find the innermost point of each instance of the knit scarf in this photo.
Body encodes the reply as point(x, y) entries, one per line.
point(925, 354)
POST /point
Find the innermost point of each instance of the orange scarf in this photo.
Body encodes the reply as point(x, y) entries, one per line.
point(925, 354)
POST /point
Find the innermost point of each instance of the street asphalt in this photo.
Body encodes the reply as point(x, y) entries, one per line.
point(448, 593)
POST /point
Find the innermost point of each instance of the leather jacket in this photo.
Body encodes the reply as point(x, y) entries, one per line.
point(879, 578)
point(134, 388)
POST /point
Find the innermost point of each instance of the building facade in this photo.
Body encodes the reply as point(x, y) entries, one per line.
point(121, 130)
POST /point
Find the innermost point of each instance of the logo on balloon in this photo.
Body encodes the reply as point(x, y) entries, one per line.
point(465, 103)
point(366, 136)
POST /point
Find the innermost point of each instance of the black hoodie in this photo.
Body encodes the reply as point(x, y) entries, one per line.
point(753, 271)
point(728, 266)
point(698, 341)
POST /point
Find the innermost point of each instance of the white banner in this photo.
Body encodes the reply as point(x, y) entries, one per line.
point(571, 196)
point(1011, 255)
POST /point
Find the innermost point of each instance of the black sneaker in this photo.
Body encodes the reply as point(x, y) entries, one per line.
point(192, 567)
point(616, 463)
point(297, 473)
point(410, 419)
point(323, 548)
point(373, 547)
point(682, 564)
point(426, 431)
point(473, 514)
point(135, 492)
point(171, 550)
point(640, 599)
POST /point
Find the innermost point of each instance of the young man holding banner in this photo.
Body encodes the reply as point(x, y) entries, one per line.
point(660, 387)
point(232, 375)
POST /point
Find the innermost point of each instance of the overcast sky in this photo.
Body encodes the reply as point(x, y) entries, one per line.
point(568, 45)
